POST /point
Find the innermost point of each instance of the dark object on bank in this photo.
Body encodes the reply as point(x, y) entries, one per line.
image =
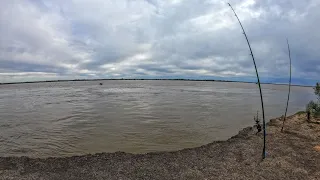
point(101, 84)
point(308, 116)
point(257, 120)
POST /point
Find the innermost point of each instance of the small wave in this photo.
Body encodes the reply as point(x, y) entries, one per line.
point(20, 150)
point(49, 103)
point(150, 121)
point(5, 125)
point(64, 118)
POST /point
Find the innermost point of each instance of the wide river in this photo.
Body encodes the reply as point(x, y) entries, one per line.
point(75, 118)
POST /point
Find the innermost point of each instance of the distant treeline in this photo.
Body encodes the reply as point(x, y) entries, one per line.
point(116, 79)
point(136, 79)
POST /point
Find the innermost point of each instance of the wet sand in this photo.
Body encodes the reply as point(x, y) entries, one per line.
point(293, 154)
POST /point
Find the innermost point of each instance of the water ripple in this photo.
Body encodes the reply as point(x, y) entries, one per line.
point(72, 118)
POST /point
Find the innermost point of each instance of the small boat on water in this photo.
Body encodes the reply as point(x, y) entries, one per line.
point(101, 84)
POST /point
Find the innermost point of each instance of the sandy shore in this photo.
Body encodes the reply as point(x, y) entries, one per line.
point(293, 154)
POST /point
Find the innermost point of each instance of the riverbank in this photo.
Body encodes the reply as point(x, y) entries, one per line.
point(293, 154)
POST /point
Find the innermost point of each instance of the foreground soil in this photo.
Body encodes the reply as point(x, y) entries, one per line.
point(294, 154)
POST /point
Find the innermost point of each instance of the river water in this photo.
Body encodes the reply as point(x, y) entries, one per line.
point(74, 118)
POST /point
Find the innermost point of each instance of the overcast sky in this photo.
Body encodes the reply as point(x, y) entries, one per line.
point(62, 39)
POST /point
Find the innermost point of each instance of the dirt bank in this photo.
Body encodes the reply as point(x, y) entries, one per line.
point(290, 155)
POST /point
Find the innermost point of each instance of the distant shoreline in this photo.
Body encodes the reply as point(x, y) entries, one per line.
point(133, 79)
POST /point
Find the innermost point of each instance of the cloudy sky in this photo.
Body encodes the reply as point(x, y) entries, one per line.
point(198, 39)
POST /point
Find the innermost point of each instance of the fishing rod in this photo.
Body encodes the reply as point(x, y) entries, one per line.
point(285, 114)
point(255, 66)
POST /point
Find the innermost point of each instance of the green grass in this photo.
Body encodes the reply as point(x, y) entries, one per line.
point(300, 112)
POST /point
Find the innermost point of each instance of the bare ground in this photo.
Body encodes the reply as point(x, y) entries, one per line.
point(293, 154)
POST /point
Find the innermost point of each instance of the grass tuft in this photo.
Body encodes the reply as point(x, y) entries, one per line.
point(300, 112)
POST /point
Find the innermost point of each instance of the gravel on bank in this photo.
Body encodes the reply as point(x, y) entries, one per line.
point(290, 155)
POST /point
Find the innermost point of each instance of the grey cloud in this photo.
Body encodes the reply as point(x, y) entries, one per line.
point(159, 38)
point(10, 66)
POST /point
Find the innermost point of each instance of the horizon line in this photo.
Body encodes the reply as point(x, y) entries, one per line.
point(155, 79)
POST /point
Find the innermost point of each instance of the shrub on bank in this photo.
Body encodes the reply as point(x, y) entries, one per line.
point(314, 107)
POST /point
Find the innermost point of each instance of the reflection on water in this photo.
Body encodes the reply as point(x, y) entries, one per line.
point(72, 118)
